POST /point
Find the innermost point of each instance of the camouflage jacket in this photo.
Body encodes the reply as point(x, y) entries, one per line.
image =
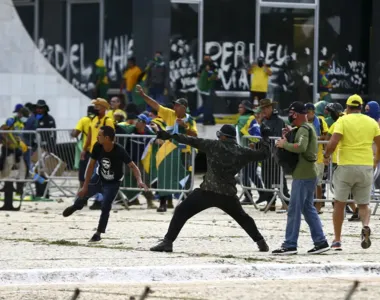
point(224, 160)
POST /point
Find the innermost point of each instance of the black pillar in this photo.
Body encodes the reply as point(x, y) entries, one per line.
point(151, 29)
point(374, 58)
point(53, 22)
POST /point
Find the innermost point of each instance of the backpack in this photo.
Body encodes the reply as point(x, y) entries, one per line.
point(286, 159)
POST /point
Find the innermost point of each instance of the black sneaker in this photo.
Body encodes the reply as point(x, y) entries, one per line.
point(366, 242)
point(246, 201)
point(263, 246)
point(69, 211)
point(355, 216)
point(285, 251)
point(163, 246)
point(95, 238)
point(319, 248)
point(97, 205)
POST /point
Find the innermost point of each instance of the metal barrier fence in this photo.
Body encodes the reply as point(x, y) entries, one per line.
point(270, 181)
point(53, 157)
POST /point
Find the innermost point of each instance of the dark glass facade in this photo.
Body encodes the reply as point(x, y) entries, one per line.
point(287, 44)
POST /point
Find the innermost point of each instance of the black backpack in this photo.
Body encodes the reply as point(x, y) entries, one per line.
point(286, 159)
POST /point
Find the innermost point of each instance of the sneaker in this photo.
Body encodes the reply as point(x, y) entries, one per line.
point(95, 238)
point(164, 246)
point(366, 242)
point(97, 205)
point(263, 246)
point(355, 216)
point(285, 251)
point(323, 247)
point(69, 211)
point(337, 246)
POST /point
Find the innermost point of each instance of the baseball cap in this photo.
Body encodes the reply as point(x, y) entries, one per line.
point(144, 118)
point(309, 106)
point(181, 101)
point(18, 107)
point(101, 102)
point(354, 100)
point(297, 107)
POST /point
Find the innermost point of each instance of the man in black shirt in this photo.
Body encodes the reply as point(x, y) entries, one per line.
point(110, 157)
point(225, 158)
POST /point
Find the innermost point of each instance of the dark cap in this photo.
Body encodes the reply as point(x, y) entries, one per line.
point(181, 101)
point(298, 107)
point(41, 103)
point(247, 105)
point(309, 106)
point(227, 131)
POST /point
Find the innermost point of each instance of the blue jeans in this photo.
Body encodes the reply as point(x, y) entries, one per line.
point(301, 202)
point(157, 93)
point(109, 191)
point(207, 109)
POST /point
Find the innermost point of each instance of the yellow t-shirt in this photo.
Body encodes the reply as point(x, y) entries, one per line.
point(95, 127)
point(169, 117)
point(131, 76)
point(325, 129)
point(358, 132)
point(83, 126)
point(334, 155)
point(111, 112)
point(259, 80)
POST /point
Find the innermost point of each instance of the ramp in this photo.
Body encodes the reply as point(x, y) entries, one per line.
point(26, 76)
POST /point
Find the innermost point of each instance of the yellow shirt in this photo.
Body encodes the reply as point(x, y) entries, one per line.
point(111, 112)
point(83, 126)
point(95, 127)
point(358, 132)
point(334, 155)
point(325, 129)
point(131, 76)
point(260, 78)
point(169, 117)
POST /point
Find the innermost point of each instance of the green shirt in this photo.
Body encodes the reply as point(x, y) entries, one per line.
point(306, 145)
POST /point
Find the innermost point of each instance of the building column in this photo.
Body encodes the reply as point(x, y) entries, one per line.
point(151, 29)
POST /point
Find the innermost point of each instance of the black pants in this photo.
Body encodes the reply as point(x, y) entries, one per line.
point(200, 200)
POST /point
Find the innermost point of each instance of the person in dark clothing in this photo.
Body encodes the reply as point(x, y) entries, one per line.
point(157, 77)
point(110, 157)
point(270, 170)
point(225, 158)
point(48, 138)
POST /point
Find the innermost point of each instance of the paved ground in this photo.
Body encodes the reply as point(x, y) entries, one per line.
point(39, 237)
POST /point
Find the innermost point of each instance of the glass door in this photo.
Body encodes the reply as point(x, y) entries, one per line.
point(293, 54)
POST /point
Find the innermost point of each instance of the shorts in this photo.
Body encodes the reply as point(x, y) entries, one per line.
point(357, 180)
point(83, 166)
point(320, 173)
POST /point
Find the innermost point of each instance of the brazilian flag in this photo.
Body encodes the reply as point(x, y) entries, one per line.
point(171, 172)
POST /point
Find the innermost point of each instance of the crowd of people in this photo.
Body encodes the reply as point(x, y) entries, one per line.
point(325, 135)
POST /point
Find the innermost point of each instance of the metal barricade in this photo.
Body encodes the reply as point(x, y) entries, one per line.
point(17, 150)
point(59, 161)
point(266, 176)
point(166, 166)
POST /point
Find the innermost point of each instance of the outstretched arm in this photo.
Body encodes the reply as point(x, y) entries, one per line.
point(201, 144)
point(151, 102)
point(258, 152)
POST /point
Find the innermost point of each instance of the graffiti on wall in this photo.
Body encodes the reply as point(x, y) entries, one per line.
point(81, 67)
point(183, 65)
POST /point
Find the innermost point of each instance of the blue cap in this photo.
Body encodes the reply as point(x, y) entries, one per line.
point(144, 118)
point(18, 107)
point(309, 106)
